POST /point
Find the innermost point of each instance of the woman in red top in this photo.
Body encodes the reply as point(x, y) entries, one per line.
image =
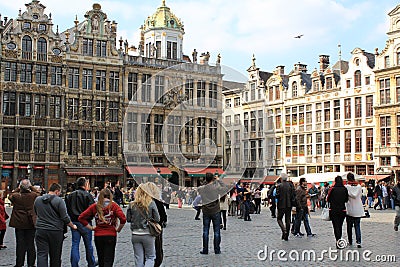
point(106, 212)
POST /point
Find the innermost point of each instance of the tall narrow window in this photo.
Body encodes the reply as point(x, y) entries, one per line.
point(336, 141)
point(146, 87)
point(42, 49)
point(189, 88)
point(25, 104)
point(357, 78)
point(369, 106)
point(10, 71)
point(328, 83)
point(347, 108)
point(387, 62)
point(87, 79)
point(40, 106)
point(101, 80)
point(41, 74)
point(212, 94)
point(213, 131)
point(99, 143)
point(398, 89)
point(369, 140)
point(358, 141)
point(73, 78)
point(158, 128)
point(8, 140)
point(101, 48)
point(56, 75)
point(113, 111)
point(86, 109)
point(113, 144)
point(358, 107)
point(100, 110)
point(252, 91)
point(158, 49)
point(73, 108)
point(145, 124)
point(86, 143)
point(201, 129)
point(347, 141)
point(39, 145)
point(87, 47)
point(24, 140)
point(114, 81)
point(327, 111)
point(385, 124)
point(189, 128)
point(132, 127)
point(201, 93)
point(277, 93)
point(72, 142)
point(27, 47)
point(9, 99)
point(132, 86)
point(54, 142)
point(384, 91)
point(159, 89)
point(294, 89)
point(26, 73)
point(55, 107)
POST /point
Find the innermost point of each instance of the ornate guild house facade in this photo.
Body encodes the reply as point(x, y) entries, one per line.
point(74, 102)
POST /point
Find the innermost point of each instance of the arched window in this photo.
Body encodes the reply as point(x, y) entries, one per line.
point(26, 47)
point(42, 49)
point(294, 89)
point(357, 78)
point(398, 57)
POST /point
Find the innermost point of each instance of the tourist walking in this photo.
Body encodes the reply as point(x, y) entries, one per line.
point(313, 192)
point(302, 210)
point(257, 200)
point(370, 195)
point(210, 193)
point(3, 219)
point(23, 219)
point(271, 198)
point(378, 195)
point(285, 196)
point(51, 218)
point(223, 205)
point(77, 202)
point(106, 214)
point(354, 209)
point(337, 197)
point(396, 197)
point(138, 213)
point(155, 193)
point(197, 206)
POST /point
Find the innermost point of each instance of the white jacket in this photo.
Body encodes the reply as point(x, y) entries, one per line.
point(354, 206)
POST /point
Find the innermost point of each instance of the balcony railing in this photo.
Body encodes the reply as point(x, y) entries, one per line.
point(41, 57)
point(54, 158)
point(27, 55)
point(40, 157)
point(24, 157)
point(8, 156)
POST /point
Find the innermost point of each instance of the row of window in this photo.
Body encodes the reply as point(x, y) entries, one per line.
point(174, 128)
point(21, 140)
point(90, 140)
point(90, 109)
point(26, 104)
point(27, 47)
point(26, 71)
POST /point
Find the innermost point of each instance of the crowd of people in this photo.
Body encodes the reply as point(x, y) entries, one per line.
point(41, 219)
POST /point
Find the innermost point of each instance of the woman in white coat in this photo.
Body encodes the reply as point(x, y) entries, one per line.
point(354, 209)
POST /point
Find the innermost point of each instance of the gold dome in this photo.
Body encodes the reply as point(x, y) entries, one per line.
point(163, 18)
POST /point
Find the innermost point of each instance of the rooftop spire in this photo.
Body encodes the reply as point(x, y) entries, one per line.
point(163, 3)
point(253, 61)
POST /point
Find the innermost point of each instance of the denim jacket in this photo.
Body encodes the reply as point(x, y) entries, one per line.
point(138, 221)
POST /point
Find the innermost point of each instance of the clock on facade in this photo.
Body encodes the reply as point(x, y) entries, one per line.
point(11, 46)
point(56, 51)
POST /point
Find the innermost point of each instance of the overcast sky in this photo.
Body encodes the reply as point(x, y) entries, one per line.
point(239, 28)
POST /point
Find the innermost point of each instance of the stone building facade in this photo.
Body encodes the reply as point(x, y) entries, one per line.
point(74, 102)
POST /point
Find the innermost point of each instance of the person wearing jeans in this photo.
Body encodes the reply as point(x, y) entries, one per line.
point(285, 194)
point(354, 209)
point(77, 202)
point(106, 214)
point(210, 194)
point(302, 209)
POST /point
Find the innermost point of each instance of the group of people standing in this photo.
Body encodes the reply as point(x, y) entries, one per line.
point(43, 220)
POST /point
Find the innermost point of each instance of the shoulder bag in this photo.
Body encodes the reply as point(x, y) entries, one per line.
point(154, 227)
point(325, 213)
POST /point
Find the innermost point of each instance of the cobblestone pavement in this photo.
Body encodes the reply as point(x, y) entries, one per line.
point(242, 241)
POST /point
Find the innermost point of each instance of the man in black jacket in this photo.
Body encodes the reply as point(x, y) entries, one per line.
point(77, 202)
point(285, 195)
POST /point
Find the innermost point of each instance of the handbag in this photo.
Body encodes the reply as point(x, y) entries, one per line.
point(155, 228)
point(325, 213)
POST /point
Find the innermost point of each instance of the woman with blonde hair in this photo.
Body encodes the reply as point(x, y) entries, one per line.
point(105, 212)
point(139, 211)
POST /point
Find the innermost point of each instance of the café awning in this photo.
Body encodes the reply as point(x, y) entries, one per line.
point(94, 171)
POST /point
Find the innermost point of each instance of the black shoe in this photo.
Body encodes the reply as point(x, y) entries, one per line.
point(358, 245)
point(311, 235)
point(218, 252)
point(283, 236)
point(273, 216)
point(224, 228)
point(286, 238)
point(298, 236)
point(396, 228)
point(301, 234)
point(203, 252)
point(241, 217)
point(197, 219)
point(221, 226)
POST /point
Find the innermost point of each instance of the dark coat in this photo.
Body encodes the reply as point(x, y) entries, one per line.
point(337, 197)
point(77, 202)
point(285, 194)
point(23, 216)
point(378, 190)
